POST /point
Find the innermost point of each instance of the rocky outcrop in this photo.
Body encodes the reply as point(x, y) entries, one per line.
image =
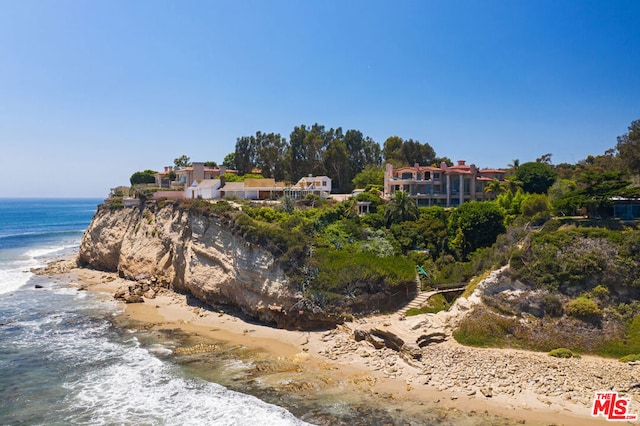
point(189, 253)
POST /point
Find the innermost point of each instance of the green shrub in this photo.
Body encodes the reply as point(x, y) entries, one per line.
point(435, 304)
point(583, 308)
point(484, 328)
point(620, 347)
point(348, 271)
point(116, 204)
point(630, 358)
point(563, 353)
point(552, 305)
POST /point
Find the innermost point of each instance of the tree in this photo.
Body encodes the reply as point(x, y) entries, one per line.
point(402, 208)
point(147, 176)
point(270, 153)
point(305, 152)
point(371, 175)
point(245, 154)
point(211, 164)
point(629, 148)
point(536, 206)
point(545, 158)
point(337, 165)
point(536, 177)
point(392, 151)
point(494, 187)
point(182, 161)
point(557, 196)
point(401, 153)
point(230, 160)
point(439, 160)
point(474, 225)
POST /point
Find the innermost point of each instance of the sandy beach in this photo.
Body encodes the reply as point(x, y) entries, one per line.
point(453, 383)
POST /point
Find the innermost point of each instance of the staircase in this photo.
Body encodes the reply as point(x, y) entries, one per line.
point(423, 296)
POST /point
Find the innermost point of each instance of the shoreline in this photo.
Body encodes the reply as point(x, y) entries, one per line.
point(331, 361)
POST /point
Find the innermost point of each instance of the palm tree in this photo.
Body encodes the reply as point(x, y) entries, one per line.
point(514, 166)
point(401, 209)
point(494, 187)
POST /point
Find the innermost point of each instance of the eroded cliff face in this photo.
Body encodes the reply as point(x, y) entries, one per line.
point(193, 254)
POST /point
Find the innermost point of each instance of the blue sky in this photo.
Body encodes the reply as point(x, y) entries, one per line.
point(92, 91)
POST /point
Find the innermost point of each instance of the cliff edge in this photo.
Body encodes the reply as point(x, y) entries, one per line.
point(196, 254)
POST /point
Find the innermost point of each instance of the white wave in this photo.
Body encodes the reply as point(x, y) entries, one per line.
point(15, 267)
point(45, 251)
point(141, 389)
point(14, 275)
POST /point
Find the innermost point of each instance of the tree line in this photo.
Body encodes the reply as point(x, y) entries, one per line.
point(340, 155)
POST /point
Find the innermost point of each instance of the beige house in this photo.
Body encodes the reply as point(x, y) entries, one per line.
point(186, 176)
point(258, 189)
point(444, 186)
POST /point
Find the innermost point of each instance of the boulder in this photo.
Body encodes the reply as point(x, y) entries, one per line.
point(427, 339)
point(360, 335)
point(133, 298)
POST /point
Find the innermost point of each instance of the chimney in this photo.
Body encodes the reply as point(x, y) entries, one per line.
point(461, 162)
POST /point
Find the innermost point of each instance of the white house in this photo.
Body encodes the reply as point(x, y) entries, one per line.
point(207, 189)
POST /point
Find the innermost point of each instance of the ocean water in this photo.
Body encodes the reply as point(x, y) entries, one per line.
point(62, 361)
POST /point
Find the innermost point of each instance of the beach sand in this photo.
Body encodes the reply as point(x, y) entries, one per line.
point(331, 365)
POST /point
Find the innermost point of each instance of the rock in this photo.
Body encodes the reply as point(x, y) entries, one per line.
point(360, 335)
point(377, 342)
point(486, 391)
point(38, 286)
point(150, 294)
point(120, 293)
point(412, 351)
point(391, 340)
point(427, 339)
point(133, 298)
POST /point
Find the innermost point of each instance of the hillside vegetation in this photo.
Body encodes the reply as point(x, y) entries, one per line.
point(577, 272)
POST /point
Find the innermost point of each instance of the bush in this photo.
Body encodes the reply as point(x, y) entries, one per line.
point(583, 308)
point(349, 272)
point(436, 303)
point(630, 358)
point(484, 328)
point(563, 353)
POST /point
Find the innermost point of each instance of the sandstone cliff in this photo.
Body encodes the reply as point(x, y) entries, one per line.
point(195, 254)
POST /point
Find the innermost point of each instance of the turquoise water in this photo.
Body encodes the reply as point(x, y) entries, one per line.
point(61, 359)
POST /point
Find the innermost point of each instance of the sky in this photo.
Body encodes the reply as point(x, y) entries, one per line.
point(92, 91)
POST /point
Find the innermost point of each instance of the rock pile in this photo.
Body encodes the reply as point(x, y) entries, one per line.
point(488, 372)
point(136, 292)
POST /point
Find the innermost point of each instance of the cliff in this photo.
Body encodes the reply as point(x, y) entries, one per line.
point(196, 254)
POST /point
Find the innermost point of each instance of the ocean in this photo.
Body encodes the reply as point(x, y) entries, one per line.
point(62, 359)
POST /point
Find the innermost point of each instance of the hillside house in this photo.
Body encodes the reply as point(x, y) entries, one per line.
point(445, 186)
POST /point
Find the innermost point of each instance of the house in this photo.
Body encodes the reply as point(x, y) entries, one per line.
point(263, 189)
point(207, 183)
point(187, 175)
point(626, 208)
point(208, 189)
point(316, 185)
point(444, 186)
